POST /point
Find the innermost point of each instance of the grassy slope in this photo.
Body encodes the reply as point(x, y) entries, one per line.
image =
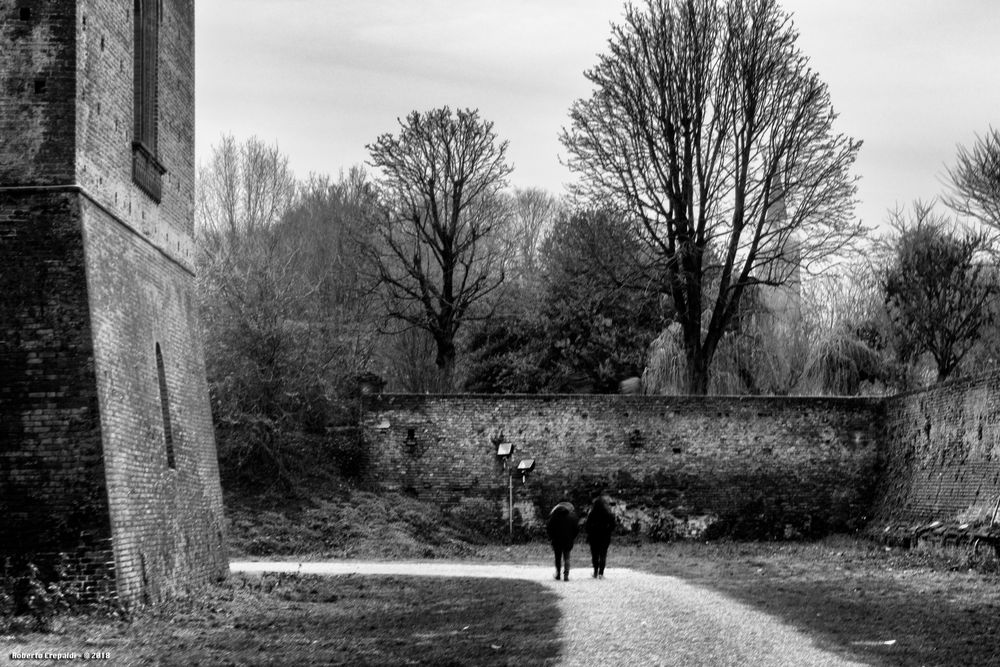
point(355, 524)
point(325, 515)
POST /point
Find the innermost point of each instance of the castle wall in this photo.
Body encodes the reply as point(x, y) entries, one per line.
point(52, 490)
point(108, 447)
point(942, 456)
point(166, 522)
point(105, 122)
point(801, 465)
point(37, 52)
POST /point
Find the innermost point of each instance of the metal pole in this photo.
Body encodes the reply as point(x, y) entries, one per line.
point(510, 501)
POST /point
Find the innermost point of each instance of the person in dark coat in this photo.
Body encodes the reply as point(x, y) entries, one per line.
point(563, 525)
point(600, 524)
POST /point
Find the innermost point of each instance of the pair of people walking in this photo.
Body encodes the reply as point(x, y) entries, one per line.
point(563, 526)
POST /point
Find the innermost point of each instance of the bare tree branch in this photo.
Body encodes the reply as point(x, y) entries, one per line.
point(705, 122)
point(974, 181)
point(442, 177)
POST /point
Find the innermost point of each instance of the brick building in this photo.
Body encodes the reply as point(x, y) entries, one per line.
point(107, 455)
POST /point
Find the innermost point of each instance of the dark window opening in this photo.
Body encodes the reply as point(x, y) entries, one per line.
point(168, 436)
point(25, 14)
point(39, 86)
point(146, 168)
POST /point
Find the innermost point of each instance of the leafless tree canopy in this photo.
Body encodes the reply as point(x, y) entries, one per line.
point(442, 175)
point(975, 180)
point(245, 187)
point(533, 211)
point(704, 124)
point(286, 324)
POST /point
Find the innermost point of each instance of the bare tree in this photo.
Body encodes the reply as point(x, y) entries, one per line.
point(939, 291)
point(326, 229)
point(334, 220)
point(975, 180)
point(532, 213)
point(283, 296)
point(442, 176)
point(708, 127)
point(249, 290)
point(245, 187)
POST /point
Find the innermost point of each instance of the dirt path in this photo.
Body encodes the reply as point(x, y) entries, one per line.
point(627, 618)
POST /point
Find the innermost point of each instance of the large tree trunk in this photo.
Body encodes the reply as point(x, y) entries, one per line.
point(445, 362)
point(697, 360)
point(697, 373)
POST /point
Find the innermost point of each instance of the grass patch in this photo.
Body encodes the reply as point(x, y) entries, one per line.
point(344, 620)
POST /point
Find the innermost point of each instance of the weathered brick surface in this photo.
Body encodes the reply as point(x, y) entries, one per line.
point(96, 275)
point(941, 455)
point(52, 489)
point(167, 522)
point(37, 126)
point(809, 462)
point(104, 119)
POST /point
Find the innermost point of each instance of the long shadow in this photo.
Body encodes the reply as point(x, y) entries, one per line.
point(875, 618)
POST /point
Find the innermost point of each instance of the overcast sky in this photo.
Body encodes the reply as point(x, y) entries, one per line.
point(911, 78)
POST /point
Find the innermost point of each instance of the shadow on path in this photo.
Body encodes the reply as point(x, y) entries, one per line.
point(629, 617)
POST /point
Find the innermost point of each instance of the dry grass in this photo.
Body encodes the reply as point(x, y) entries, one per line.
point(350, 620)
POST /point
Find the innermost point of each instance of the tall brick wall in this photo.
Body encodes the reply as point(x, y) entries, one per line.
point(942, 456)
point(104, 117)
point(37, 126)
point(98, 276)
point(52, 488)
point(167, 522)
point(806, 465)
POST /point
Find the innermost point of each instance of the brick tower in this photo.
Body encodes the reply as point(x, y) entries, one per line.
point(107, 454)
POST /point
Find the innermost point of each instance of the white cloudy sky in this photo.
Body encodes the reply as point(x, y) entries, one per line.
point(912, 78)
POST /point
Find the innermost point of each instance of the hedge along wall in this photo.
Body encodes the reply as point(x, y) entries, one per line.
point(942, 456)
point(760, 466)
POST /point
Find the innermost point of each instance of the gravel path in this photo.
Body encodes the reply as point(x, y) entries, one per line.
point(627, 618)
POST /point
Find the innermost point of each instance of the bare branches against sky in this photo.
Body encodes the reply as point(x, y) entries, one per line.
point(912, 78)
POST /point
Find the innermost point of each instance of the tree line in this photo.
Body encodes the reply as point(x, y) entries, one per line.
point(708, 245)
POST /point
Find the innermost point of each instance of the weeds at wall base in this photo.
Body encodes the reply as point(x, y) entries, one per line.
point(33, 596)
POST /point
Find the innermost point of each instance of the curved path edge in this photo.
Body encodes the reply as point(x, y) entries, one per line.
point(627, 618)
